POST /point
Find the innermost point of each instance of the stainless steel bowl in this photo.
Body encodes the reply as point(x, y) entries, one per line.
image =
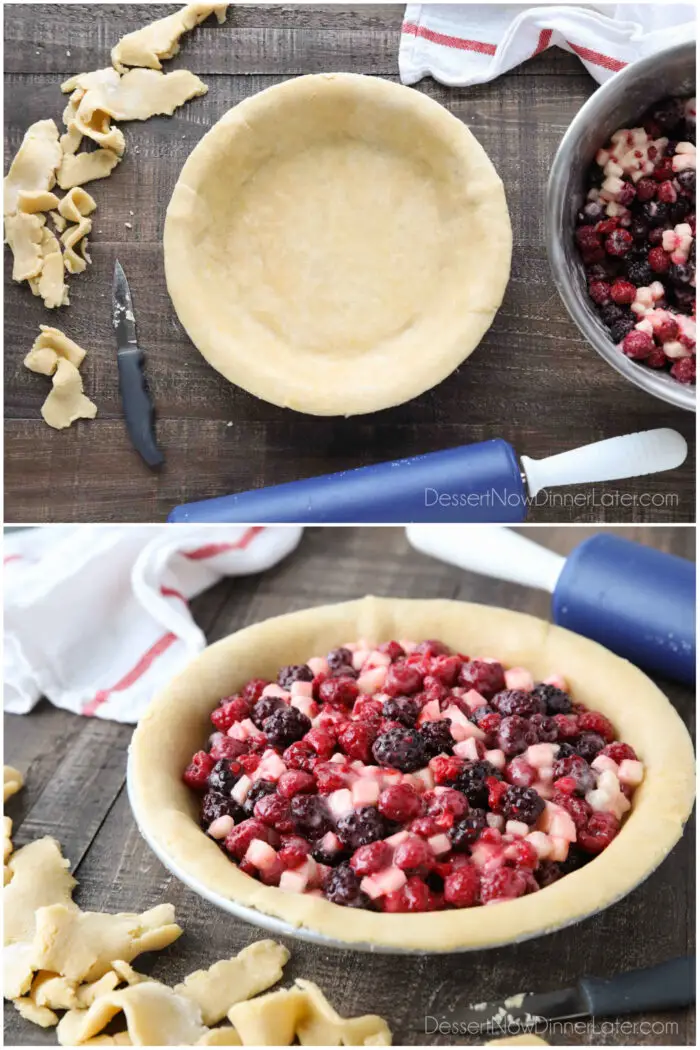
point(616, 104)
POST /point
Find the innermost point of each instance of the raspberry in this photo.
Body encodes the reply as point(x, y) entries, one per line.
point(294, 673)
point(403, 680)
point(342, 887)
point(497, 790)
point(664, 169)
point(433, 689)
point(504, 884)
point(588, 239)
point(524, 855)
point(401, 749)
point(329, 777)
point(339, 692)
point(667, 192)
point(399, 802)
point(367, 710)
point(446, 807)
point(413, 854)
point(433, 648)
point(485, 677)
point(517, 702)
point(393, 650)
point(637, 345)
point(577, 808)
point(446, 669)
point(597, 723)
point(599, 292)
point(197, 773)
point(423, 826)
point(626, 195)
point(467, 831)
point(369, 859)
point(250, 762)
point(684, 370)
point(274, 810)
point(520, 772)
point(521, 803)
point(514, 735)
point(646, 189)
point(618, 243)
point(445, 768)
point(356, 740)
point(489, 722)
point(252, 691)
point(659, 260)
point(566, 785)
point(462, 887)
point(321, 740)
point(234, 710)
point(240, 837)
point(545, 727)
point(656, 359)
point(598, 833)
point(623, 292)
point(437, 737)
point(360, 826)
point(667, 331)
point(619, 752)
point(413, 897)
point(286, 726)
point(300, 755)
point(295, 782)
point(223, 746)
point(576, 768)
point(567, 726)
point(292, 856)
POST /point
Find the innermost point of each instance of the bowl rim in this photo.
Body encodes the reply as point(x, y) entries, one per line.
point(167, 733)
point(583, 316)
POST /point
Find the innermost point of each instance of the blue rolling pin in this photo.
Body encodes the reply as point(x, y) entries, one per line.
point(485, 482)
point(635, 600)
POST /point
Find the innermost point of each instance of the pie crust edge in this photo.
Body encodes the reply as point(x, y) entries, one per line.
point(178, 719)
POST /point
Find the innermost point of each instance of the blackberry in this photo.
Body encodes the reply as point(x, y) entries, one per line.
point(517, 702)
point(639, 230)
point(576, 859)
point(331, 858)
point(547, 872)
point(640, 273)
point(678, 210)
point(259, 789)
point(224, 775)
point(401, 749)
point(522, 803)
point(362, 826)
point(294, 673)
point(471, 781)
point(686, 181)
point(620, 329)
point(612, 313)
point(685, 298)
point(667, 113)
point(437, 738)
point(587, 745)
point(285, 726)
point(215, 805)
point(515, 734)
point(546, 728)
point(340, 662)
point(655, 212)
point(403, 709)
point(556, 701)
point(466, 831)
point(478, 713)
point(590, 214)
point(565, 750)
point(679, 273)
point(343, 887)
point(310, 815)
point(266, 706)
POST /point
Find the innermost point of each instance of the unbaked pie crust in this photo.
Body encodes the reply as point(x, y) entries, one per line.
point(178, 719)
point(337, 244)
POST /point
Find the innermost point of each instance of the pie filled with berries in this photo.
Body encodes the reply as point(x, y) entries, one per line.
point(534, 774)
point(636, 237)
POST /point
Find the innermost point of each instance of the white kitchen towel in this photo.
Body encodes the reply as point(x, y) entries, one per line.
point(97, 617)
point(464, 44)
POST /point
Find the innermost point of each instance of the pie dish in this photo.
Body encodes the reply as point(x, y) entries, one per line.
point(337, 244)
point(177, 722)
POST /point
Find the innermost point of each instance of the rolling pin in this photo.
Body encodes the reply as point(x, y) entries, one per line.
point(635, 600)
point(485, 482)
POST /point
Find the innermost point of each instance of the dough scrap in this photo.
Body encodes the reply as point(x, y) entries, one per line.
point(31, 201)
point(66, 401)
point(155, 1016)
point(23, 233)
point(35, 164)
point(7, 846)
point(12, 781)
point(86, 167)
point(40, 877)
point(161, 39)
point(526, 1039)
point(40, 1015)
point(50, 345)
point(17, 969)
point(83, 945)
point(226, 1035)
point(75, 237)
point(86, 994)
point(50, 284)
point(58, 221)
point(269, 1020)
point(127, 973)
point(53, 991)
point(231, 981)
point(76, 204)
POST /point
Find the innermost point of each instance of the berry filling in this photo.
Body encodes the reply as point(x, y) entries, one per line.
point(636, 238)
point(405, 778)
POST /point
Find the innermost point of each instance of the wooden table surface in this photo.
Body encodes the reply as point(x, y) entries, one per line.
point(534, 381)
point(75, 791)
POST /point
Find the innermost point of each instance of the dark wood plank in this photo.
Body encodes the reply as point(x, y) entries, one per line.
point(118, 872)
point(533, 381)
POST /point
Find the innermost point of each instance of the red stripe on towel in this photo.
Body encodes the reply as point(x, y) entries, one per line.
point(132, 676)
point(212, 549)
point(411, 29)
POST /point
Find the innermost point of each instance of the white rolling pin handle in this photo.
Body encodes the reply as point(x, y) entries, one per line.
point(490, 551)
point(628, 456)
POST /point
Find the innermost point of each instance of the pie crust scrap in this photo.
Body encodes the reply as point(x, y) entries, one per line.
point(230, 981)
point(161, 39)
point(54, 354)
point(12, 782)
point(325, 232)
point(518, 1040)
point(168, 814)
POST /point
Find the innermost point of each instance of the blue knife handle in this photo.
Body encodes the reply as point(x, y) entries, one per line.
point(669, 986)
point(473, 483)
point(635, 600)
point(138, 406)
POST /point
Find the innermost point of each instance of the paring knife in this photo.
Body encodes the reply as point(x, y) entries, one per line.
point(635, 600)
point(136, 399)
point(486, 482)
point(668, 986)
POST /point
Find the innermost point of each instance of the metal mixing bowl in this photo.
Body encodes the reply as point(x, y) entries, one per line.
point(619, 103)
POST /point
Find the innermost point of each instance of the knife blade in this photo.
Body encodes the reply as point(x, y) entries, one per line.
point(668, 986)
point(139, 411)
